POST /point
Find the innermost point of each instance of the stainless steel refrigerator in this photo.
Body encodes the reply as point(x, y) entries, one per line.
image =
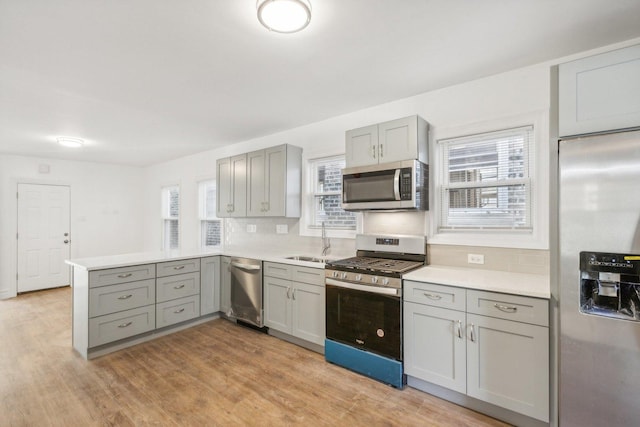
point(599, 358)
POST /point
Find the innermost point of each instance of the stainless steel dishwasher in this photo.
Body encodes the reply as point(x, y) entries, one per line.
point(246, 290)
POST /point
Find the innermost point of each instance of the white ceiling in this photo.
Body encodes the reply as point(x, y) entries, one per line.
point(144, 81)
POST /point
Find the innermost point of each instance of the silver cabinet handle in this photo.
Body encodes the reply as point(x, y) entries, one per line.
point(288, 291)
point(293, 294)
point(179, 311)
point(179, 286)
point(506, 308)
point(124, 325)
point(432, 296)
point(381, 151)
point(472, 335)
point(123, 276)
point(266, 206)
point(125, 296)
point(459, 329)
point(178, 267)
point(373, 151)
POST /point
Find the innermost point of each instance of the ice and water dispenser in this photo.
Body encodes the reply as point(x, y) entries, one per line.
point(610, 285)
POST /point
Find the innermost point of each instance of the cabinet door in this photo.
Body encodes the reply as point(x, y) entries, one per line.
point(275, 180)
point(398, 140)
point(361, 146)
point(238, 186)
point(600, 92)
point(225, 284)
point(277, 304)
point(209, 285)
point(308, 305)
point(223, 188)
point(256, 197)
point(508, 365)
point(435, 345)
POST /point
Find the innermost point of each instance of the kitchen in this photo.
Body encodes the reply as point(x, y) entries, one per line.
point(115, 208)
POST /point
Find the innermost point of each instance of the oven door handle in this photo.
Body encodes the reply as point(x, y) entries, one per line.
point(365, 288)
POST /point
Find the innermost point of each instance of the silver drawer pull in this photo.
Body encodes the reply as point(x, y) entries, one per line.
point(179, 311)
point(472, 334)
point(506, 308)
point(179, 286)
point(432, 296)
point(178, 267)
point(124, 325)
point(459, 329)
point(122, 276)
point(125, 296)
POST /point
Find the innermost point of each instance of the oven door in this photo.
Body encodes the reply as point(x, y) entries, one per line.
point(365, 319)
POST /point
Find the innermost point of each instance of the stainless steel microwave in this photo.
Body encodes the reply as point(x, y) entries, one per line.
point(400, 185)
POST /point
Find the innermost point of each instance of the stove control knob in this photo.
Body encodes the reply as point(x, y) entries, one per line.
point(335, 274)
point(374, 279)
point(385, 282)
point(358, 277)
point(344, 275)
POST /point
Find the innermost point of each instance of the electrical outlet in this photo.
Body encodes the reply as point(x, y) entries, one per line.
point(251, 228)
point(475, 259)
point(282, 228)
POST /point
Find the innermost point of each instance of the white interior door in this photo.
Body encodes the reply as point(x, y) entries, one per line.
point(43, 236)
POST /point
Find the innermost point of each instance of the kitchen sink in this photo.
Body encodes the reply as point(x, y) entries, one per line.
point(306, 258)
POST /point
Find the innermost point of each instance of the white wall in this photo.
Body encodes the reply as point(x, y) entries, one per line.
point(106, 208)
point(494, 98)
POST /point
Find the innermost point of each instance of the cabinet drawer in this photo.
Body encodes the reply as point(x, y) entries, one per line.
point(510, 307)
point(176, 311)
point(178, 267)
point(124, 296)
point(313, 276)
point(435, 295)
point(116, 326)
point(113, 276)
point(282, 271)
point(182, 285)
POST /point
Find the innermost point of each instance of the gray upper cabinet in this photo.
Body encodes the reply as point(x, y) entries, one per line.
point(231, 182)
point(395, 140)
point(274, 181)
point(600, 93)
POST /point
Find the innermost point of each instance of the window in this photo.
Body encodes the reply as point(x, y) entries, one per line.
point(325, 195)
point(486, 182)
point(170, 217)
point(210, 225)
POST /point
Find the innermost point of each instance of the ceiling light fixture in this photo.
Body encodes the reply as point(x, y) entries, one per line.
point(70, 142)
point(284, 16)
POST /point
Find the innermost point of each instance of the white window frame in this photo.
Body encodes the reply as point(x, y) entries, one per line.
point(165, 215)
point(535, 238)
point(306, 229)
point(202, 214)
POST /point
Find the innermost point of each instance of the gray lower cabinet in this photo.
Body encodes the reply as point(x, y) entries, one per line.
point(209, 285)
point(225, 284)
point(124, 324)
point(177, 310)
point(294, 301)
point(489, 346)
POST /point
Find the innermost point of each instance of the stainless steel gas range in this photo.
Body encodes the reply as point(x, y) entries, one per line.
point(364, 305)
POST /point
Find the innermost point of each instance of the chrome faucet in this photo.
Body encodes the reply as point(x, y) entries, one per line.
point(326, 243)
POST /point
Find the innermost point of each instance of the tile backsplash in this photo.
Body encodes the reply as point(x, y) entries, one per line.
point(503, 259)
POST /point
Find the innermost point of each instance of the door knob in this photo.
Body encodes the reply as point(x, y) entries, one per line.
point(66, 234)
point(66, 241)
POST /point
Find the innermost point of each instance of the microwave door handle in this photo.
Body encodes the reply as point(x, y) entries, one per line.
point(396, 184)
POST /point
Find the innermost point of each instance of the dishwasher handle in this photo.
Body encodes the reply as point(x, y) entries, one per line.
point(248, 267)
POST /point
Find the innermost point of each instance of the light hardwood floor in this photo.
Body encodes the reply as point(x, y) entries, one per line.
point(216, 373)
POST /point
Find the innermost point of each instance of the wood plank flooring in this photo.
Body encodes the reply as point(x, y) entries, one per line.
point(214, 374)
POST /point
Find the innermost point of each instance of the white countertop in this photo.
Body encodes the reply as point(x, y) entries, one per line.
point(123, 260)
point(532, 285)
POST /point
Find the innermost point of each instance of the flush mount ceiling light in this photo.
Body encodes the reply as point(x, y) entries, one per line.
point(284, 16)
point(70, 142)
